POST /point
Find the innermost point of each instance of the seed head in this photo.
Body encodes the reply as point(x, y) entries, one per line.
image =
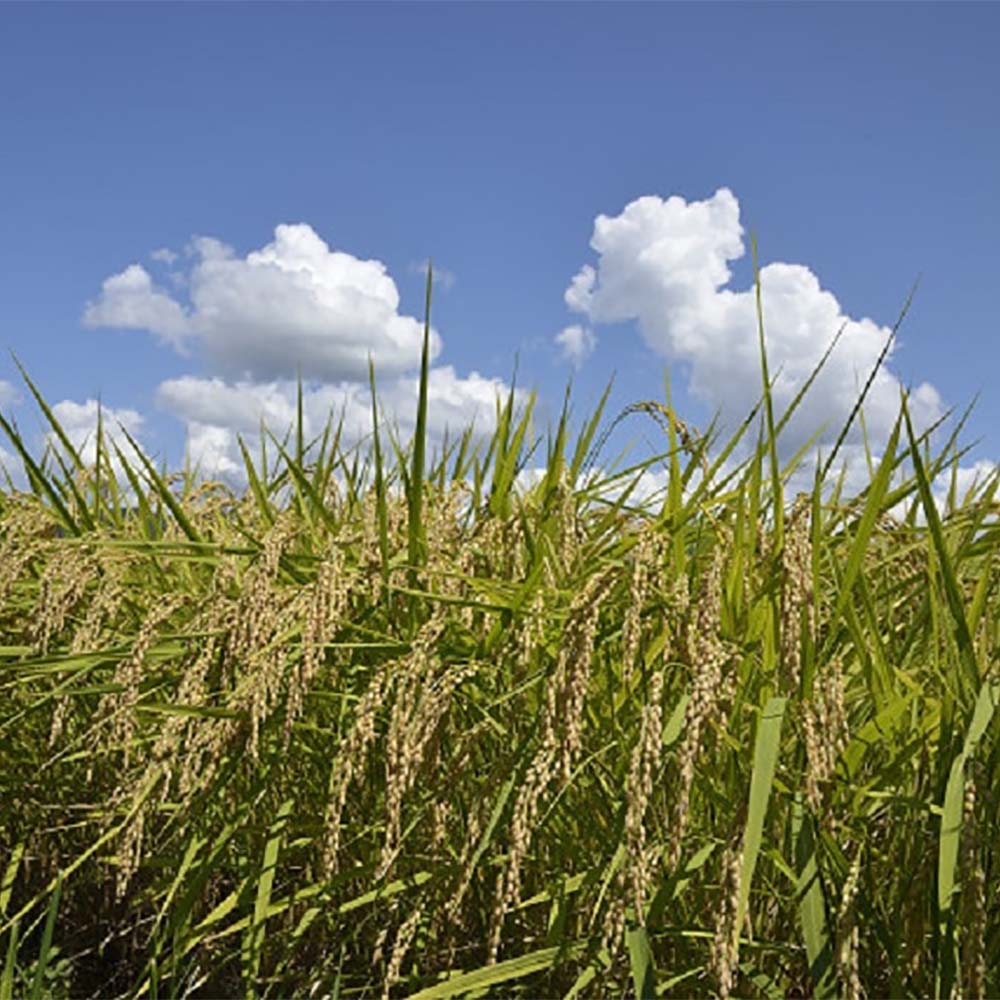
point(708, 655)
point(797, 591)
point(724, 958)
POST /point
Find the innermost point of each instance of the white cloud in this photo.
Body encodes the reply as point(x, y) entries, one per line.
point(292, 304)
point(968, 478)
point(79, 421)
point(11, 465)
point(239, 406)
point(9, 396)
point(212, 450)
point(664, 264)
point(130, 300)
point(647, 488)
point(576, 343)
point(442, 276)
point(215, 411)
point(454, 402)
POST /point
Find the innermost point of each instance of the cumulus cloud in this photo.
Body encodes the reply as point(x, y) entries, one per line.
point(576, 344)
point(216, 411)
point(665, 265)
point(454, 402)
point(212, 450)
point(646, 488)
point(240, 406)
point(79, 421)
point(9, 396)
point(11, 468)
point(130, 300)
point(292, 307)
point(292, 304)
point(969, 479)
point(442, 276)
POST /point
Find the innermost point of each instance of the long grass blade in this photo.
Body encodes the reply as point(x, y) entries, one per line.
point(415, 533)
point(765, 758)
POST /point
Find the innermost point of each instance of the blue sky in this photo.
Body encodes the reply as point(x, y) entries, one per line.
point(858, 142)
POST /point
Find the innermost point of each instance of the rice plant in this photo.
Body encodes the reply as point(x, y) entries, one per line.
point(389, 724)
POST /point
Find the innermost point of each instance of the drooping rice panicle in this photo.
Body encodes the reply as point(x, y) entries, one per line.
point(496, 731)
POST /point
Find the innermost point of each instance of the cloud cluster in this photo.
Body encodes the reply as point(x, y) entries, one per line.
point(216, 411)
point(294, 304)
point(130, 300)
point(442, 277)
point(9, 395)
point(665, 265)
point(79, 421)
point(968, 479)
point(10, 466)
point(576, 343)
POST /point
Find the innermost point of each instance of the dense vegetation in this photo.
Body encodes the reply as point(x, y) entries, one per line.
point(389, 724)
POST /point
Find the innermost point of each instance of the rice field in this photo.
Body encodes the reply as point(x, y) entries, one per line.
point(390, 723)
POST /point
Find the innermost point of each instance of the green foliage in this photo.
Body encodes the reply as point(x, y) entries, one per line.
point(295, 742)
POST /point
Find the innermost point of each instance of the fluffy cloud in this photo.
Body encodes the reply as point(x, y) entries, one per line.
point(454, 402)
point(212, 450)
point(216, 411)
point(11, 467)
point(665, 264)
point(442, 276)
point(576, 344)
point(9, 396)
point(131, 300)
point(968, 478)
point(294, 303)
point(79, 421)
point(648, 488)
point(240, 406)
point(293, 306)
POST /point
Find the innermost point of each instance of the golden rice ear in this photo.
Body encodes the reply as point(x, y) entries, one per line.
point(725, 738)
